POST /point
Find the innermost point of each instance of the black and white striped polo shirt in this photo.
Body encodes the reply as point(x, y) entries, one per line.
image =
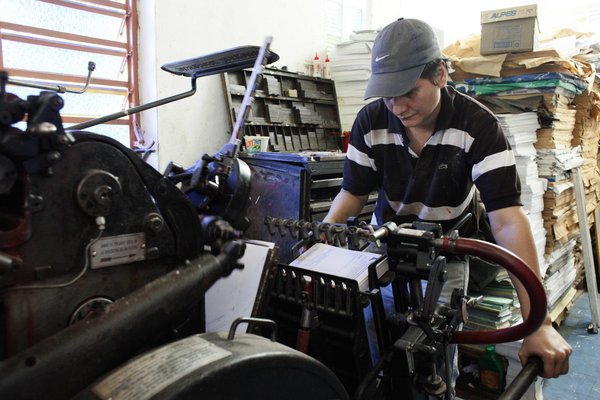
point(467, 146)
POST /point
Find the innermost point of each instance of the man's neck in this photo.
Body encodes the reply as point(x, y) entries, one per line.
point(418, 136)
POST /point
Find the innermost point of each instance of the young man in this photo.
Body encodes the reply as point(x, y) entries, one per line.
point(427, 148)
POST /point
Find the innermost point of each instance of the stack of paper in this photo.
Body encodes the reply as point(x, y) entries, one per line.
point(554, 164)
point(585, 135)
point(560, 217)
point(350, 69)
point(561, 223)
point(500, 307)
point(502, 287)
point(560, 274)
point(533, 83)
point(520, 130)
point(557, 130)
point(557, 154)
point(501, 304)
point(341, 262)
point(492, 313)
point(536, 222)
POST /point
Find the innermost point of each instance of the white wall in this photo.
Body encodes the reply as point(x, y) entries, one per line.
point(183, 29)
point(172, 30)
point(147, 73)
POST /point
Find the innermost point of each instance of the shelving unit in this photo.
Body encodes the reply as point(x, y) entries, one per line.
point(296, 111)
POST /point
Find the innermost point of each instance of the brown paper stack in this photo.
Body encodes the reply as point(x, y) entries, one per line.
point(560, 217)
point(585, 134)
point(569, 121)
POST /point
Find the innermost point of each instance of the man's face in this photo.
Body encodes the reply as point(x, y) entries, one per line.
point(419, 107)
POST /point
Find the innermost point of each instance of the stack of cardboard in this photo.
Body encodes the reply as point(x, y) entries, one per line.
point(585, 135)
point(560, 217)
point(557, 131)
point(350, 69)
point(555, 158)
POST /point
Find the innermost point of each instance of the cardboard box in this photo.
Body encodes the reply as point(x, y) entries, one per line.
point(509, 30)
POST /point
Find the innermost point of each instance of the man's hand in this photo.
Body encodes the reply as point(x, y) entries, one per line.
point(512, 231)
point(551, 347)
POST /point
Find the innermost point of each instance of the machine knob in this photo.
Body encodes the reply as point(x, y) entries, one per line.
point(97, 191)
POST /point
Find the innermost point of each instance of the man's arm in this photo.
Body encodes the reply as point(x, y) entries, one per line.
point(345, 205)
point(511, 230)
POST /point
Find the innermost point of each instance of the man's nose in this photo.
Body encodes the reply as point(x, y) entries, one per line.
point(398, 105)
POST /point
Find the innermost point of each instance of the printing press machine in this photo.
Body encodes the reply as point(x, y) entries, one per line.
point(104, 263)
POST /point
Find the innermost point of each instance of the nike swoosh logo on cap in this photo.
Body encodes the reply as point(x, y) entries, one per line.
point(381, 58)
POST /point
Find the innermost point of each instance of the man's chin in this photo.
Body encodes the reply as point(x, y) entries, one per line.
point(410, 121)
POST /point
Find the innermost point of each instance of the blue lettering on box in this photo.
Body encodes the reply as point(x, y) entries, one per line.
point(503, 45)
point(502, 14)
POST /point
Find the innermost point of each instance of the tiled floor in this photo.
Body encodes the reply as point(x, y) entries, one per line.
point(583, 380)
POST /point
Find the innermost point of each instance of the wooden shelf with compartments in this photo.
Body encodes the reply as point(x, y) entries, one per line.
point(296, 111)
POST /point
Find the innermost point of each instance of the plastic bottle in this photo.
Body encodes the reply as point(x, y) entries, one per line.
point(491, 370)
point(316, 66)
point(326, 70)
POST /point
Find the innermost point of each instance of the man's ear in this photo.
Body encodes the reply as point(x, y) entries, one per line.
point(442, 77)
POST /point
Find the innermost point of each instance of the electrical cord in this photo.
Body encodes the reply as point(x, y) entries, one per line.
point(101, 222)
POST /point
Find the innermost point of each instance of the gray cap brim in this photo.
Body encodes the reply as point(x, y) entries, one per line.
point(392, 84)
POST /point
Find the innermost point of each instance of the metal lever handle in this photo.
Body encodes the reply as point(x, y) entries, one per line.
point(57, 88)
point(523, 380)
point(260, 321)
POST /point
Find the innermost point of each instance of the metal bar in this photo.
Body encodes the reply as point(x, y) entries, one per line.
point(79, 120)
point(323, 183)
point(596, 233)
point(131, 24)
point(237, 131)
point(88, 8)
point(61, 35)
point(62, 45)
point(523, 380)
point(57, 88)
point(588, 253)
point(133, 110)
point(52, 76)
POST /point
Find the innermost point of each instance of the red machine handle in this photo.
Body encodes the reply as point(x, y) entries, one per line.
point(514, 265)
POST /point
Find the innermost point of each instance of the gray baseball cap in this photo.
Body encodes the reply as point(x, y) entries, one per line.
point(399, 55)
